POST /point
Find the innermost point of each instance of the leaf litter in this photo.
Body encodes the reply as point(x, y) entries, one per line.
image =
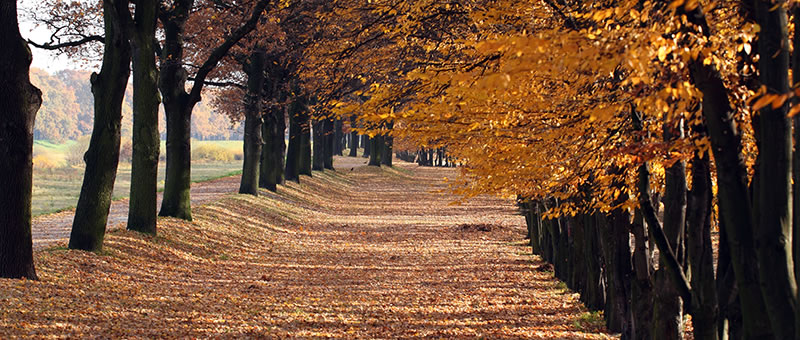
point(370, 253)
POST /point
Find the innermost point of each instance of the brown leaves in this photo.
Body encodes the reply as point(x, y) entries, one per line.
point(381, 258)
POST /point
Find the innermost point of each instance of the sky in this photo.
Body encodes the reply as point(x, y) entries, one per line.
point(43, 59)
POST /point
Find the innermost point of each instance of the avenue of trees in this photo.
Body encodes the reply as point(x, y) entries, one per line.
point(644, 140)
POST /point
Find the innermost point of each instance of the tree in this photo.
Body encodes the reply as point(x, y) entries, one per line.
point(146, 139)
point(108, 87)
point(252, 122)
point(21, 100)
point(178, 103)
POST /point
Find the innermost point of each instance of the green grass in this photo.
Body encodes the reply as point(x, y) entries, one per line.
point(58, 189)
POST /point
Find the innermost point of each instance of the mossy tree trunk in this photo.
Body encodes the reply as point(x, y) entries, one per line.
point(142, 205)
point(253, 140)
point(102, 158)
point(20, 102)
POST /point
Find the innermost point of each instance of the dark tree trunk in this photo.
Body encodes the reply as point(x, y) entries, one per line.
point(252, 122)
point(733, 196)
point(388, 141)
point(642, 294)
point(595, 297)
point(272, 153)
point(367, 145)
point(305, 143)
point(774, 253)
point(615, 234)
point(376, 150)
point(796, 158)
point(20, 102)
point(108, 88)
point(142, 205)
point(319, 146)
point(729, 325)
point(330, 142)
point(353, 138)
point(668, 307)
point(338, 136)
point(295, 137)
point(700, 250)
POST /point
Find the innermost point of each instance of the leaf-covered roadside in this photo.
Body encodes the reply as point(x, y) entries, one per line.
point(368, 253)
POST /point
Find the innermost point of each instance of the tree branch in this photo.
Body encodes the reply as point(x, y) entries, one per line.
point(221, 83)
point(76, 43)
point(218, 53)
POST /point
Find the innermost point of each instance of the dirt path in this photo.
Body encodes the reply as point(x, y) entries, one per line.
point(357, 253)
point(52, 228)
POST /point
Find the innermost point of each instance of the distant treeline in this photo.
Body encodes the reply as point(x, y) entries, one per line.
point(66, 112)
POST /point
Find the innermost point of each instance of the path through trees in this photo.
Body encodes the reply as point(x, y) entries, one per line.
point(362, 252)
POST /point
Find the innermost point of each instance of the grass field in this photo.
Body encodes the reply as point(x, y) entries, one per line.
point(57, 187)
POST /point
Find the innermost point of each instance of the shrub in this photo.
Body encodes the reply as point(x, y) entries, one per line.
point(44, 162)
point(76, 151)
point(212, 152)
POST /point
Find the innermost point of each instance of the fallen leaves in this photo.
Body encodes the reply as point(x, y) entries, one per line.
point(381, 256)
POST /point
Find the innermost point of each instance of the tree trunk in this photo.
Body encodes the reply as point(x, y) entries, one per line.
point(375, 150)
point(330, 142)
point(700, 250)
point(388, 141)
point(319, 146)
point(295, 137)
point(305, 143)
point(668, 307)
point(773, 249)
point(615, 235)
point(367, 145)
point(733, 196)
point(272, 152)
point(146, 140)
point(353, 137)
point(253, 140)
point(20, 102)
point(338, 136)
point(108, 88)
point(642, 294)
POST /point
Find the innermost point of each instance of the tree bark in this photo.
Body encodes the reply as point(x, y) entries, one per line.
point(773, 234)
point(338, 136)
point(330, 142)
point(733, 196)
point(367, 141)
point(272, 153)
point(20, 102)
point(102, 158)
point(375, 150)
point(295, 135)
point(668, 307)
point(319, 146)
point(305, 143)
point(388, 141)
point(253, 140)
point(146, 140)
point(353, 137)
point(700, 250)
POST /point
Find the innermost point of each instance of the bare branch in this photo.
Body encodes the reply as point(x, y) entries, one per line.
point(76, 43)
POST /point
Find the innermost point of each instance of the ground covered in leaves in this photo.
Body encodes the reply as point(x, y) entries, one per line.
point(361, 252)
